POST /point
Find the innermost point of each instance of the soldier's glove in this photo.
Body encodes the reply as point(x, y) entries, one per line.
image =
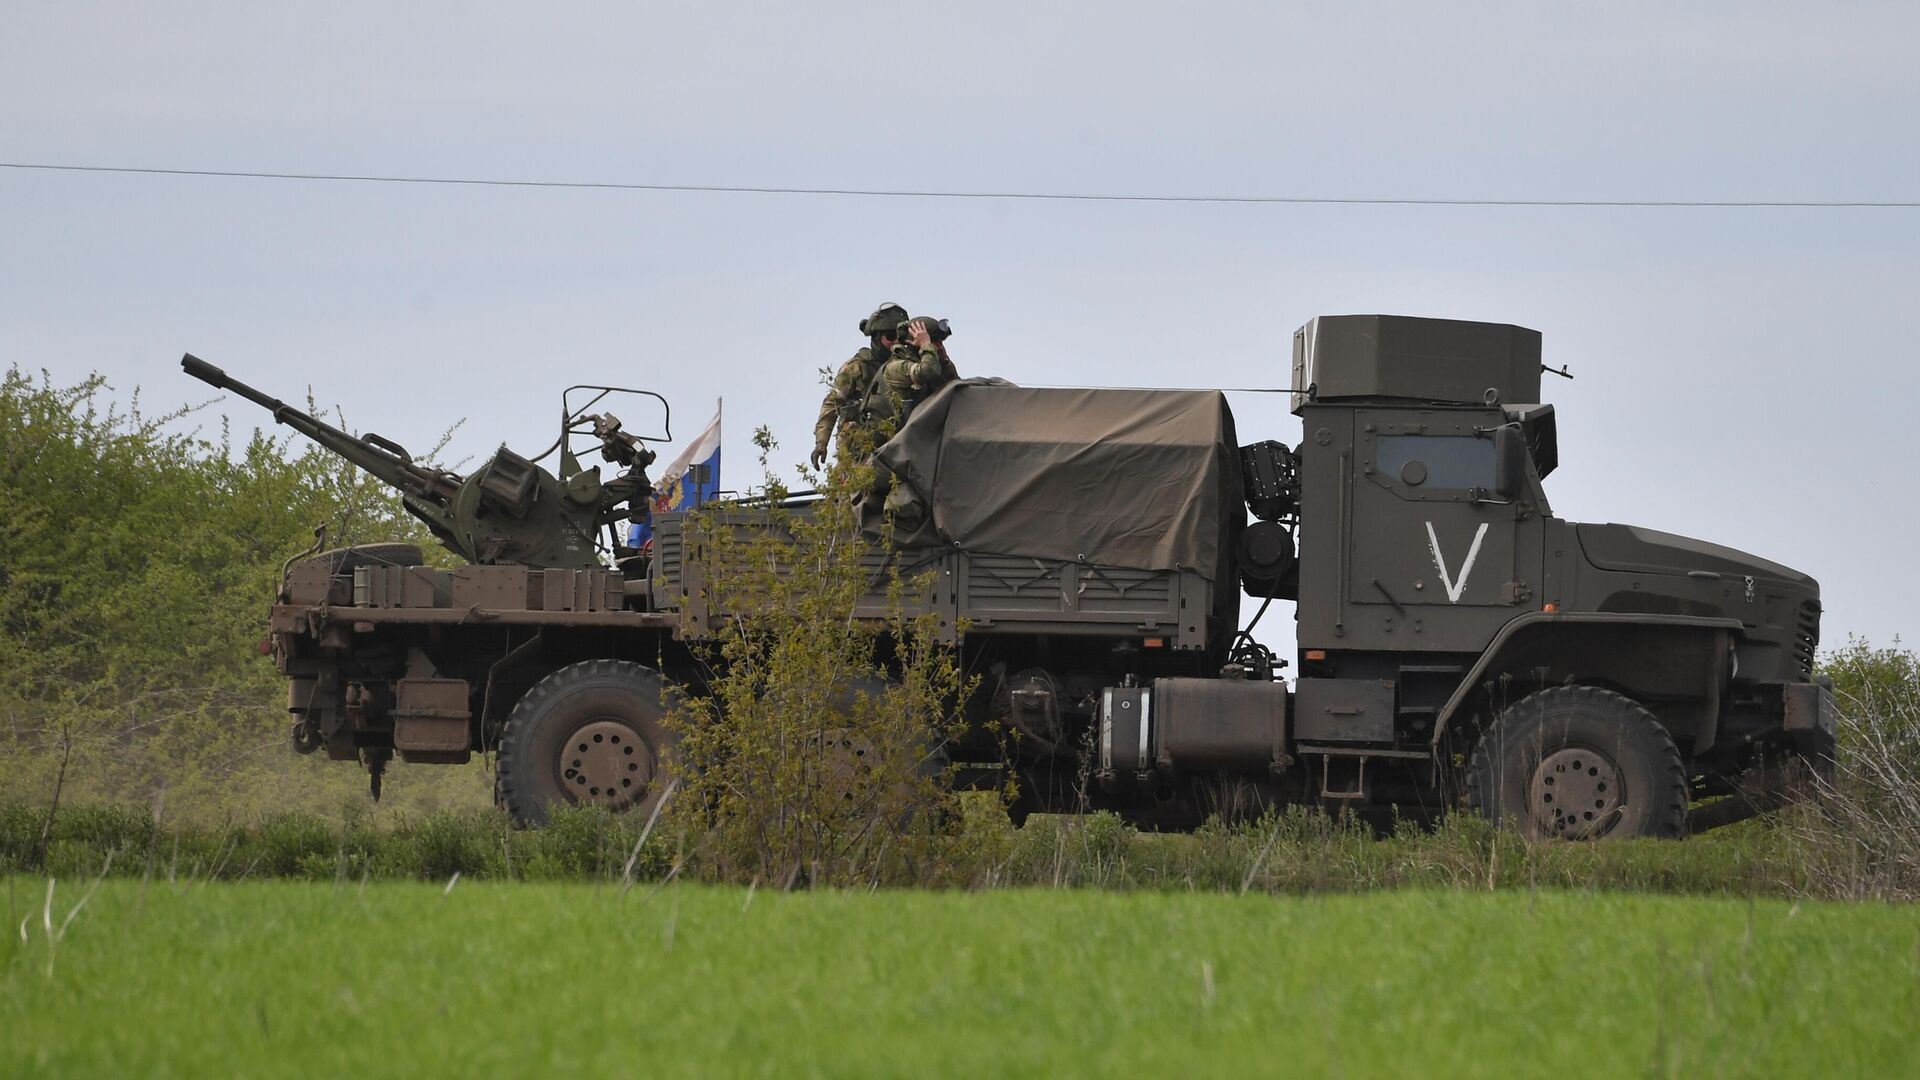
point(819, 458)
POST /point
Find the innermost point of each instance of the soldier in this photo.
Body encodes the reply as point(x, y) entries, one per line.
point(840, 410)
point(911, 374)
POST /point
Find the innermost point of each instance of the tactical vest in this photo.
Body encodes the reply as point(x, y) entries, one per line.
point(879, 403)
point(853, 408)
point(876, 404)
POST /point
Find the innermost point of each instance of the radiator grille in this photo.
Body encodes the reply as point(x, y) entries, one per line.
point(1806, 638)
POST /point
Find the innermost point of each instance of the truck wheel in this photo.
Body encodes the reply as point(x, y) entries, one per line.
point(590, 733)
point(1580, 763)
point(850, 757)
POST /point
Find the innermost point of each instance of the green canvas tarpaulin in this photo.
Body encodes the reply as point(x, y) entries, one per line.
point(1128, 478)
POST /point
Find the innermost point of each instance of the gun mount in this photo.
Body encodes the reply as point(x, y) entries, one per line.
point(511, 510)
point(1458, 643)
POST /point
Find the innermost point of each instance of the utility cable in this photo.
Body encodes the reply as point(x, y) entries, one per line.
point(1180, 389)
point(1045, 196)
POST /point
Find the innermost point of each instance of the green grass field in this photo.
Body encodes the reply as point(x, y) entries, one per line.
point(280, 978)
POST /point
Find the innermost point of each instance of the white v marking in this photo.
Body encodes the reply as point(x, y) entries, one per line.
point(1454, 588)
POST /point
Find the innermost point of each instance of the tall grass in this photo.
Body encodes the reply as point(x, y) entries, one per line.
point(126, 841)
point(1861, 837)
point(1858, 838)
point(1294, 852)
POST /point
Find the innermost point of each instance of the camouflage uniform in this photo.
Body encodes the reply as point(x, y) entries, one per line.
point(909, 377)
point(840, 409)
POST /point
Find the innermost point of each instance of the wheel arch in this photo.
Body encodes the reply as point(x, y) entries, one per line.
point(1675, 666)
point(550, 649)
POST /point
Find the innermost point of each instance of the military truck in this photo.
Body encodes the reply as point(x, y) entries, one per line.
point(1458, 645)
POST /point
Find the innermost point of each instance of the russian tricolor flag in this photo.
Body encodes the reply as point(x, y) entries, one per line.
point(692, 479)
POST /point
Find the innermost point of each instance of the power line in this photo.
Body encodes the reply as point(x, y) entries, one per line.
point(1045, 196)
point(1180, 389)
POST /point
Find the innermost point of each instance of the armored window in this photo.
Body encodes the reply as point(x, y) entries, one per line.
point(1454, 462)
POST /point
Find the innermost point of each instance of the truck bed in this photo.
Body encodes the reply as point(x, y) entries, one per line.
point(985, 592)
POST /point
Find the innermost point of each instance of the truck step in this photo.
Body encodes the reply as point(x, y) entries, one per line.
point(1359, 789)
point(1361, 751)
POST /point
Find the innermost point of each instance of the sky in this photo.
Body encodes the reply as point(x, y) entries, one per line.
point(1744, 375)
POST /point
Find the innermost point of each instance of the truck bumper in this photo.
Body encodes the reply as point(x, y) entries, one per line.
point(1810, 721)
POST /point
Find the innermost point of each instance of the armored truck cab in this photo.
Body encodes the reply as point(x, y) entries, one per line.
point(1458, 644)
point(1444, 608)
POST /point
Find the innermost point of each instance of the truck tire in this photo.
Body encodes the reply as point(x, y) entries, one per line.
point(590, 733)
point(1579, 763)
point(846, 752)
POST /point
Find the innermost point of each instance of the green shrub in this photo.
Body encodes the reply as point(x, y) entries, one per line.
point(287, 842)
point(1863, 838)
point(438, 846)
point(20, 827)
point(137, 560)
point(578, 843)
point(819, 754)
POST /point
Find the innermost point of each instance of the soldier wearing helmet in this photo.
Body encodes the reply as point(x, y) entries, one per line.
point(840, 410)
point(911, 374)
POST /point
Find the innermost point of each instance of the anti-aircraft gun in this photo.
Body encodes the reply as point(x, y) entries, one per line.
point(509, 511)
point(1459, 645)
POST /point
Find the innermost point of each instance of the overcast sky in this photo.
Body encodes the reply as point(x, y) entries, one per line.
point(1743, 375)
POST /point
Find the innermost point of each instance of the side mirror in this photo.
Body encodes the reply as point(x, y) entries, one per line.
point(1509, 461)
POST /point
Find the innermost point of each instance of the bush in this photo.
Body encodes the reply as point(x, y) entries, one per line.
point(287, 843)
point(586, 843)
point(439, 846)
point(137, 561)
point(818, 756)
point(1863, 838)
